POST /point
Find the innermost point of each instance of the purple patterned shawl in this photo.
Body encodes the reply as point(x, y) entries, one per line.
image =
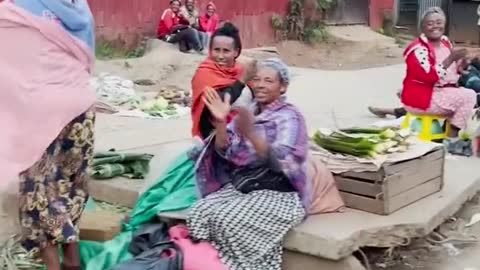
point(284, 128)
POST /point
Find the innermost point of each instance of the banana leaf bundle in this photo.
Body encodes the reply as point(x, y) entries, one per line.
point(363, 142)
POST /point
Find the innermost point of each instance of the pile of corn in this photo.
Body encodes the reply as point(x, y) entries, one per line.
point(14, 257)
point(362, 142)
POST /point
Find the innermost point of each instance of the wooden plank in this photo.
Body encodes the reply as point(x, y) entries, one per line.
point(407, 179)
point(363, 203)
point(366, 176)
point(408, 197)
point(100, 225)
point(394, 168)
point(358, 187)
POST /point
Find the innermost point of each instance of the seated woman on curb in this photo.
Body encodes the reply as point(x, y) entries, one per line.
point(172, 29)
point(252, 174)
point(430, 85)
point(190, 16)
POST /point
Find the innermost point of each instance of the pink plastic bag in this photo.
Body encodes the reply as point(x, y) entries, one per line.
point(196, 256)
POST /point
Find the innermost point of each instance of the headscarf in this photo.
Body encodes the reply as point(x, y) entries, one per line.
point(279, 66)
point(211, 4)
point(75, 17)
point(430, 11)
point(210, 74)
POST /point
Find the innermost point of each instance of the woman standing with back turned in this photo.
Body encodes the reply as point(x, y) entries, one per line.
point(47, 120)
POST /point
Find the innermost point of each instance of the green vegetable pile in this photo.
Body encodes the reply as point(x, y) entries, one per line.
point(157, 107)
point(364, 142)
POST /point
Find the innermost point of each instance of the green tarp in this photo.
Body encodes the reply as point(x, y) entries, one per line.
point(173, 191)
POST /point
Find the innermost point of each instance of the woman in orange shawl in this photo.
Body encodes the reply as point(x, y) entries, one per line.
point(220, 72)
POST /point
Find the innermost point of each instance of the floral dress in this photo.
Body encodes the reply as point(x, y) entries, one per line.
point(53, 192)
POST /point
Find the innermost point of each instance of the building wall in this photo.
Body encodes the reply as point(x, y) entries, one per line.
point(127, 21)
point(377, 9)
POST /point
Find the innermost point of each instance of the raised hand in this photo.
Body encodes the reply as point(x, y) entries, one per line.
point(244, 122)
point(218, 108)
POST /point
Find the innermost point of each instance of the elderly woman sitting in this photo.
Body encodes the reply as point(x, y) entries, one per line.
point(252, 174)
point(430, 85)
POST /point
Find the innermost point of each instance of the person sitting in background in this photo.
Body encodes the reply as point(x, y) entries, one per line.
point(189, 12)
point(209, 22)
point(470, 78)
point(173, 29)
point(189, 15)
point(430, 85)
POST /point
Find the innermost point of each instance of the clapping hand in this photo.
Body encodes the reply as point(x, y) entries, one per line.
point(244, 122)
point(218, 108)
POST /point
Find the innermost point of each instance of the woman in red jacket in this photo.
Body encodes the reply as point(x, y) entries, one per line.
point(173, 28)
point(209, 22)
point(430, 85)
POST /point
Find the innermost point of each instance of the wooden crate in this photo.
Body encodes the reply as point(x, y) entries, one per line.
point(395, 185)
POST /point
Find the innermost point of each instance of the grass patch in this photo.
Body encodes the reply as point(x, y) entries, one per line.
point(106, 50)
point(316, 34)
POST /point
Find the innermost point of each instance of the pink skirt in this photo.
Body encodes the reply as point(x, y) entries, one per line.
point(455, 103)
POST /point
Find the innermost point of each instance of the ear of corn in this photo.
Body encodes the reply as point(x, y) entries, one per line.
point(363, 142)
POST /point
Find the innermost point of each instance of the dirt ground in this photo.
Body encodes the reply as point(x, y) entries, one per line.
point(457, 250)
point(167, 67)
point(339, 55)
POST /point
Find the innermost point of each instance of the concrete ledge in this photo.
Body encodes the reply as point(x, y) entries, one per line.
point(126, 192)
point(331, 236)
point(338, 235)
point(296, 261)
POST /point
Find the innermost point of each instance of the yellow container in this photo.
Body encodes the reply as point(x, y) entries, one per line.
point(428, 130)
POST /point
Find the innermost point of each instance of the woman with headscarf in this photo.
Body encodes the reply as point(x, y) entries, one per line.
point(222, 72)
point(251, 175)
point(430, 85)
point(47, 120)
point(209, 21)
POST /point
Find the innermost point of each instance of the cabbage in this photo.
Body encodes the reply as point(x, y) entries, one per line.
point(147, 105)
point(161, 104)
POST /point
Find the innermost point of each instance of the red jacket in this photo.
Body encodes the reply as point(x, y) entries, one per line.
point(209, 24)
point(422, 73)
point(167, 23)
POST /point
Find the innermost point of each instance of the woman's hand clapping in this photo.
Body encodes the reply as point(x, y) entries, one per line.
point(244, 122)
point(218, 108)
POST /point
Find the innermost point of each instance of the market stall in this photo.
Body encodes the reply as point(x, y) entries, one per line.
point(380, 170)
